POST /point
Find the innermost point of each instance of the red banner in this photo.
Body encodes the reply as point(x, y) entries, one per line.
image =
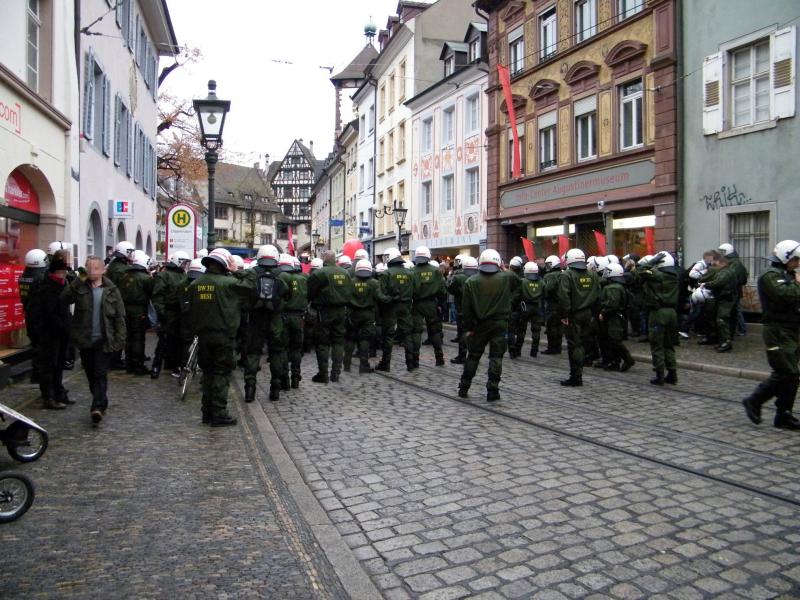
point(563, 245)
point(19, 193)
point(601, 243)
point(650, 239)
point(530, 252)
point(290, 245)
point(505, 81)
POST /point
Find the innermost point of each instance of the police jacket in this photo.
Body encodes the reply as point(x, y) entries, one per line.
point(298, 291)
point(50, 316)
point(430, 283)
point(112, 321)
point(31, 277)
point(366, 293)
point(398, 284)
point(613, 299)
point(487, 298)
point(116, 270)
point(723, 282)
point(660, 287)
point(780, 296)
point(578, 290)
point(532, 291)
point(330, 286)
point(167, 288)
point(215, 303)
point(455, 287)
point(137, 288)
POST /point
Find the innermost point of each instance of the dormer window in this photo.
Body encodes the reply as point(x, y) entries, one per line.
point(474, 51)
point(449, 65)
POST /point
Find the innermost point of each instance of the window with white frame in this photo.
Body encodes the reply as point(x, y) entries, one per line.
point(750, 84)
point(427, 135)
point(474, 49)
point(585, 19)
point(391, 92)
point(381, 155)
point(749, 232)
point(548, 37)
point(361, 178)
point(362, 127)
point(96, 105)
point(449, 65)
point(585, 111)
point(401, 80)
point(371, 118)
point(34, 29)
point(447, 193)
point(426, 198)
point(448, 125)
point(401, 141)
point(122, 118)
point(472, 183)
point(472, 114)
point(516, 51)
point(371, 173)
point(631, 97)
point(548, 144)
point(521, 138)
point(382, 102)
point(390, 150)
point(628, 8)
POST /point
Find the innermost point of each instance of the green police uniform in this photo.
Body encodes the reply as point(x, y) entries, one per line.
point(552, 317)
point(115, 271)
point(578, 292)
point(486, 303)
point(397, 288)
point(660, 290)
point(530, 311)
point(265, 325)
point(294, 321)
point(779, 293)
point(28, 282)
point(168, 286)
point(361, 321)
point(136, 290)
point(723, 282)
point(613, 322)
point(429, 291)
point(330, 288)
point(215, 304)
point(455, 287)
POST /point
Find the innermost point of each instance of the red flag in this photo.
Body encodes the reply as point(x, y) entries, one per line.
point(290, 245)
point(601, 243)
point(505, 81)
point(530, 252)
point(563, 245)
point(650, 239)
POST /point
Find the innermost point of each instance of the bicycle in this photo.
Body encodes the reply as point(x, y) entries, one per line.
point(188, 371)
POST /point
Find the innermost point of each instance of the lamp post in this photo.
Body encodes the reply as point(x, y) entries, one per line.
point(399, 214)
point(211, 113)
point(315, 240)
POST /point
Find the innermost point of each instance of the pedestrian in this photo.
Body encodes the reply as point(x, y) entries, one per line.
point(659, 279)
point(98, 329)
point(51, 321)
point(553, 327)
point(361, 317)
point(486, 305)
point(331, 289)
point(429, 291)
point(168, 285)
point(779, 292)
point(397, 287)
point(530, 310)
point(578, 292)
point(613, 319)
point(294, 319)
point(136, 290)
point(216, 301)
point(35, 271)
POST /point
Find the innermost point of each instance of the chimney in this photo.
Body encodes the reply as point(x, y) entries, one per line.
point(311, 146)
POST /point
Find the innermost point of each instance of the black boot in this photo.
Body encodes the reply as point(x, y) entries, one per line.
point(222, 421)
point(573, 381)
point(249, 391)
point(753, 409)
point(724, 347)
point(155, 372)
point(552, 351)
point(786, 420)
point(296, 380)
point(346, 362)
point(439, 360)
point(672, 376)
point(534, 352)
point(463, 390)
point(364, 368)
point(321, 377)
point(384, 365)
point(206, 417)
point(274, 393)
point(492, 395)
point(659, 378)
point(458, 360)
point(410, 364)
point(286, 384)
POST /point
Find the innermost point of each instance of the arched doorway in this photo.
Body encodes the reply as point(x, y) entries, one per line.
point(121, 237)
point(139, 244)
point(149, 247)
point(94, 235)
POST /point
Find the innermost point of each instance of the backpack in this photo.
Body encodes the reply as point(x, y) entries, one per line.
point(267, 291)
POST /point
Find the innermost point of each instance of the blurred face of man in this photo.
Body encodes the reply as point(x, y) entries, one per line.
point(95, 269)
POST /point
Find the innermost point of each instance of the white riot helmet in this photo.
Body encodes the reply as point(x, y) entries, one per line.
point(268, 256)
point(286, 262)
point(422, 255)
point(197, 265)
point(612, 259)
point(238, 262)
point(179, 257)
point(645, 260)
point(56, 246)
point(490, 261)
point(613, 271)
point(140, 259)
point(36, 258)
point(364, 268)
point(202, 253)
point(597, 264)
point(380, 268)
point(701, 295)
point(786, 250)
point(434, 263)
point(297, 266)
point(667, 260)
point(360, 254)
point(515, 263)
point(316, 263)
point(123, 249)
point(458, 260)
point(344, 261)
point(217, 255)
point(531, 270)
point(393, 255)
point(726, 249)
point(552, 261)
point(699, 269)
point(575, 258)
point(469, 263)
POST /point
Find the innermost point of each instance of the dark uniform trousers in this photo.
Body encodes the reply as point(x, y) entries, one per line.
point(137, 323)
point(578, 334)
point(360, 333)
point(726, 310)
point(396, 323)
point(783, 354)
point(169, 349)
point(95, 364)
point(554, 330)
point(462, 345)
point(50, 365)
point(265, 327)
point(426, 316)
point(216, 357)
point(330, 338)
point(293, 333)
point(493, 334)
point(612, 338)
point(533, 315)
point(661, 333)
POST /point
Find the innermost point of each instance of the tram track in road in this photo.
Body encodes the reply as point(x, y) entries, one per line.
point(503, 413)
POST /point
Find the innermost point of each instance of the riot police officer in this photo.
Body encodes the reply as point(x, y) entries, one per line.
point(361, 316)
point(35, 271)
point(115, 271)
point(397, 288)
point(779, 292)
point(168, 285)
point(136, 290)
point(552, 318)
point(429, 291)
point(660, 286)
point(613, 319)
point(529, 310)
point(514, 266)
point(293, 316)
point(455, 287)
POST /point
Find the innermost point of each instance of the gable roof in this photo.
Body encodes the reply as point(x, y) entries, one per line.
point(234, 181)
point(355, 70)
point(454, 47)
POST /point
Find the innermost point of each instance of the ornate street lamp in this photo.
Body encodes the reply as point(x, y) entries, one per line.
point(211, 112)
point(399, 214)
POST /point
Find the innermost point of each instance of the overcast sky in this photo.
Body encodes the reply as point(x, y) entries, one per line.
point(272, 103)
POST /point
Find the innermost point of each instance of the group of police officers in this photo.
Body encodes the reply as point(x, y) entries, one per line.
point(346, 307)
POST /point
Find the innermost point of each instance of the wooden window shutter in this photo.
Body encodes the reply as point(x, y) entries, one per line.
point(106, 116)
point(117, 129)
point(712, 94)
point(88, 95)
point(782, 48)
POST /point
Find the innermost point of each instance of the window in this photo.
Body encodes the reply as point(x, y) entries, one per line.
point(449, 65)
point(266, 238)
point(630, 121)
point(548, 145)
point(585, 19)
point(750, 89)
point(371, 118)
point(448, 125)
point(141, 45)
point(628, 8)
point(361, 178)
point(371, 173)
point(122, 117)
point(34, 28)
point(382, 102)
point(472, 114)
point(447, 193)
point(401, 141)
point(401, 193)
point(521, 137)
point(222, 234)
point(390, 151)
point(585, 111)
point(362, 128)
point(426, 199)
point(401, 81)
point(474, 49)
point(472, 184)
point(427, 135)
point(96, 105)
point(749, 234)
point(391, 92)
point(516, 51)
point(548, 41)
point(381, 155)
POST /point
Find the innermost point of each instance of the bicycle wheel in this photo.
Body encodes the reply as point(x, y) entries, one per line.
point(16, 496)
point(189, 370)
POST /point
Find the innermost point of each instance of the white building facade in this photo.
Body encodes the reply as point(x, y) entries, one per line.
point(364, 101)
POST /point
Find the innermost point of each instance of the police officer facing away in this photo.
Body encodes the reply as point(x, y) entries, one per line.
point(361, 317)
point(552, 319)
point(779, 292)
point(293, 316)
point(455, 287)
point(660, 286)
point(397, 288)
point(35, 271)
point(136, 290)
point(529, 311)
point(578, 292)
point(486, 305)
point(168, 286)
point(429, 291)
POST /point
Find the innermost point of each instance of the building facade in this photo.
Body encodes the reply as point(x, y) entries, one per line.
point(364, 102)
point(593, 86)
point(741, 136)
point(448, 152)
point(119, 69)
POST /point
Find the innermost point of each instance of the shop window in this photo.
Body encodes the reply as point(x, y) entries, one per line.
point(630, 121)
point(749, 234)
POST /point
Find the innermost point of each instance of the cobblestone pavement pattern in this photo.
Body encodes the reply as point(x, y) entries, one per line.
point(440, 499)
point(152, 504)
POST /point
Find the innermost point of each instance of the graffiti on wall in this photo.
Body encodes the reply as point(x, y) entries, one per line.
point(725, 197)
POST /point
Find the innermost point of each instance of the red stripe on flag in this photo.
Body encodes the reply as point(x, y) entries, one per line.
point(530, 252)
point(601, 243)
point(563, 245)
point(650, 239)
point(505, 81)
point(290, 245)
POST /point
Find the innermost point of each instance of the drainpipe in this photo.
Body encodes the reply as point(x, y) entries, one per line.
point(679, 94)
point(374, 83)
